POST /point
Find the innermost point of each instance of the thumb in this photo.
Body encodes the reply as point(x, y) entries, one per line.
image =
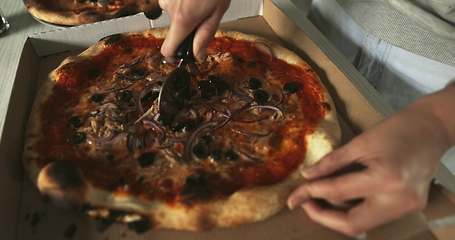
point(332, 162)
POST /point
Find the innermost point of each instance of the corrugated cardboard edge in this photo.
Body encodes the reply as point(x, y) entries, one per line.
point(10, 165)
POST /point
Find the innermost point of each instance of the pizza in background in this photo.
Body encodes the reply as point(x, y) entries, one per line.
point(77, 12)
point(250, 119)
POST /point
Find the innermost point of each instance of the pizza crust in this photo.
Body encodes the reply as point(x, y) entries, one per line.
point(64, 183)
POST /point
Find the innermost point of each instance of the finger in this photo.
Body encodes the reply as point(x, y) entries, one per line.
point(338, 189)
point(364, 216)
point(175, 36)
point(181, 26)
point(333, 219)
point(204, 35)
point(332, 162)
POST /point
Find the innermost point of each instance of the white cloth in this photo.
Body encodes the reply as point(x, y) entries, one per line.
point(398, 75)
point(424, 27)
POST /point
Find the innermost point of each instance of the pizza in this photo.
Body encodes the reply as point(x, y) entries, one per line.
point(77, 12)
point(248, 121)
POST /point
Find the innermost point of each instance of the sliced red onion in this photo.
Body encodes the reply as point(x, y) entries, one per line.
point(135, 62)
point(248, 156)
point(191, 140)
point(114, 89)
point(249, 134)
point(263, 47)
point(156, 127)
point(131, 78)
point(265, 107)
point(93, 139)
point(136, 141)
point(241, 94)
point(281, 99)
point(149, 87)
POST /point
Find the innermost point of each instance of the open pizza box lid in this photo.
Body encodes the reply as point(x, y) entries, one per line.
point(24, 214)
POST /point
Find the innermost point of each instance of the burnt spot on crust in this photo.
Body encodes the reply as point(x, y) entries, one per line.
point(206, 221)
point(326, 106)
point(109, 40)
point(196, 188)
point(62, 182)
point(129, 9)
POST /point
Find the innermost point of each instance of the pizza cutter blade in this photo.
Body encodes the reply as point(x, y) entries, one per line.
point(176, 86)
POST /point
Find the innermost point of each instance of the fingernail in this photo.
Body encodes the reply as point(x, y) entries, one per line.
point(294, 201)
point(292, 205)
point(201, 56)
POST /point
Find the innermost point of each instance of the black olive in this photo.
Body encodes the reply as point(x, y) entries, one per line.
point(254, 83)
point(203, 84)
point(213, 79)
point(75, 122)
point(201, 150)
point(216, 155)
point(208, 92)
point(195, 180)
point(261, 96)
point(150, 96)
point(231, 155)
point(97, 98)
point(146, 159)
point(221, 87)
point(291, 87)
point(138, 73)
point(125, 96)
point(76, 138)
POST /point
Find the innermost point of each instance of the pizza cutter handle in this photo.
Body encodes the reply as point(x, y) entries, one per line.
point(185, 50)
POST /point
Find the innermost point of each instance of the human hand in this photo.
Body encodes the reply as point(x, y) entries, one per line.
point(400, 156)
point(185, 16)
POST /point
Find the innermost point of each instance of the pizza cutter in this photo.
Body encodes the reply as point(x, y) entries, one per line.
point(176, 86)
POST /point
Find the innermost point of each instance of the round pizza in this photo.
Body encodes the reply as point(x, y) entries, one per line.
point(246, 120)
point(77, 12)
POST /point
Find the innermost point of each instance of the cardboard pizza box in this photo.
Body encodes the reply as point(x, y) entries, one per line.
point(25, 215)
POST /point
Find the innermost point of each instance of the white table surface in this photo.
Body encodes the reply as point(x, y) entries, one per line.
point(22, 25)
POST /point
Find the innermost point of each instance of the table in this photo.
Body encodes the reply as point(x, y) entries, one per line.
point(22, 25)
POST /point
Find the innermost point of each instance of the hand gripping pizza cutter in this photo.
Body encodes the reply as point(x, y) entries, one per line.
point(176, 86)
